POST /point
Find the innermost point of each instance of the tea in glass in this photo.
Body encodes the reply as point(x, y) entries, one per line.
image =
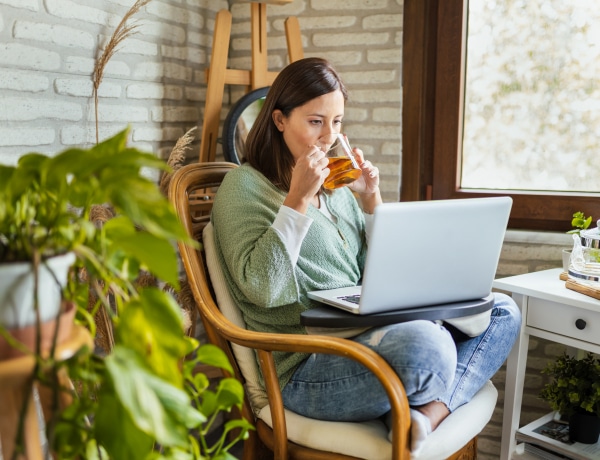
point(343, 166)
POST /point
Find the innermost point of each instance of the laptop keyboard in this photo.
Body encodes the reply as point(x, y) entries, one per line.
point(351, 298)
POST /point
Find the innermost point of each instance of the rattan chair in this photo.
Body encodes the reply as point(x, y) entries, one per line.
point(284, 433)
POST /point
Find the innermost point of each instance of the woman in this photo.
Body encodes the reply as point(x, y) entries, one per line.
point(279, 235)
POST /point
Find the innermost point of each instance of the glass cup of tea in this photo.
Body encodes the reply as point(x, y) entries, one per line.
point(343, 166)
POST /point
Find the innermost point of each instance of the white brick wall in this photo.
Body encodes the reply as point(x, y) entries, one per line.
point(154, 81)
point(156, 84)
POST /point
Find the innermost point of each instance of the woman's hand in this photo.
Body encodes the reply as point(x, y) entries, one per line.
point(308, 175)
point(367, 185)
point(368, 182)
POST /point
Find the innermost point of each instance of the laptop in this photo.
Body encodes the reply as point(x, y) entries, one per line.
point(425, 253)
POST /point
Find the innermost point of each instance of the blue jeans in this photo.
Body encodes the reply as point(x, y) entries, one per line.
point(433, 364)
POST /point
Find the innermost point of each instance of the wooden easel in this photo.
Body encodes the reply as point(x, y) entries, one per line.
point(218, 75)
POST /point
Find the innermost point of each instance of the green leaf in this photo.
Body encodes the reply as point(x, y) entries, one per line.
point(200, 381)
point(224, 456)
point(155, 254)
point(209, 404)
point(213, 356)
point(92, 452)
point(230, 392)
point(152, 325)
point(155, 406)
point(241, 423)
point(28, 174)
point(580, 222)
point(116, 431)
point(6, 173)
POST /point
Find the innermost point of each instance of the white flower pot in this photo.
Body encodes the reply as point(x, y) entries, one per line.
point(17, 285)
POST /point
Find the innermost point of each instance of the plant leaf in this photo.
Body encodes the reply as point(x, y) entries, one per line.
point(213, 356)
point(152, 325)
point(230, 392)
point(155, 254)
point(113, 417)
point(155, 406)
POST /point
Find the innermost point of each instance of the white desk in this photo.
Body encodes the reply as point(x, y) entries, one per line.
point(550, 311)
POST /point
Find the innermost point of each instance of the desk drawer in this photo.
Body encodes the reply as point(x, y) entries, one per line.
point(562, 319)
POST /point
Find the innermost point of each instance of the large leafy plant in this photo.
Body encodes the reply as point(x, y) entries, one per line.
point(46, 201)
point(142, 399)
point(575, 385)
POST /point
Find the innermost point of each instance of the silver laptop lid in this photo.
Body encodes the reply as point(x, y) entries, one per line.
point(432, 252)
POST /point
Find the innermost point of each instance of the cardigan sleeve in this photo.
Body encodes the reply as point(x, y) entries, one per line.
point(291, 226)
point(255, 258)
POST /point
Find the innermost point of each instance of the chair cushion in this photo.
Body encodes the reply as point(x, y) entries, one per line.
point(460, 426)
point(366, 440)
point(244, 356)
point(369, 439)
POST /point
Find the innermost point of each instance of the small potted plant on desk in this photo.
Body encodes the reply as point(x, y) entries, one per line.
point(141, 399)
point(575, 393)
point(579, 222)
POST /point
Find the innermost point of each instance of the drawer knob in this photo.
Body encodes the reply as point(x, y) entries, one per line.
point(580, 324)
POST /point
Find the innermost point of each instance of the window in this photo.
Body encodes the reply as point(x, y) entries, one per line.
point(447, 125)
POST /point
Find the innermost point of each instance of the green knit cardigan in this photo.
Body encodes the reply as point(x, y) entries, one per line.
point(268, 289)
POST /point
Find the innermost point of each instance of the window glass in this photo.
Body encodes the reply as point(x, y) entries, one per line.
point(532, 96)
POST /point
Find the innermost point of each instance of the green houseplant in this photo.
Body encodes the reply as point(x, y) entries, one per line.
point(142, 399)
point(574, 391)
point(579, 222)
point(586, 248)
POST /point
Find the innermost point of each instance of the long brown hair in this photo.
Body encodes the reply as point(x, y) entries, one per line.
point(298, 83)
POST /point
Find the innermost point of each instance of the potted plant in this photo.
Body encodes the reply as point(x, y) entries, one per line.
point(585, 254)
point(579, 222)
point(143, 399)
point(574, 392)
